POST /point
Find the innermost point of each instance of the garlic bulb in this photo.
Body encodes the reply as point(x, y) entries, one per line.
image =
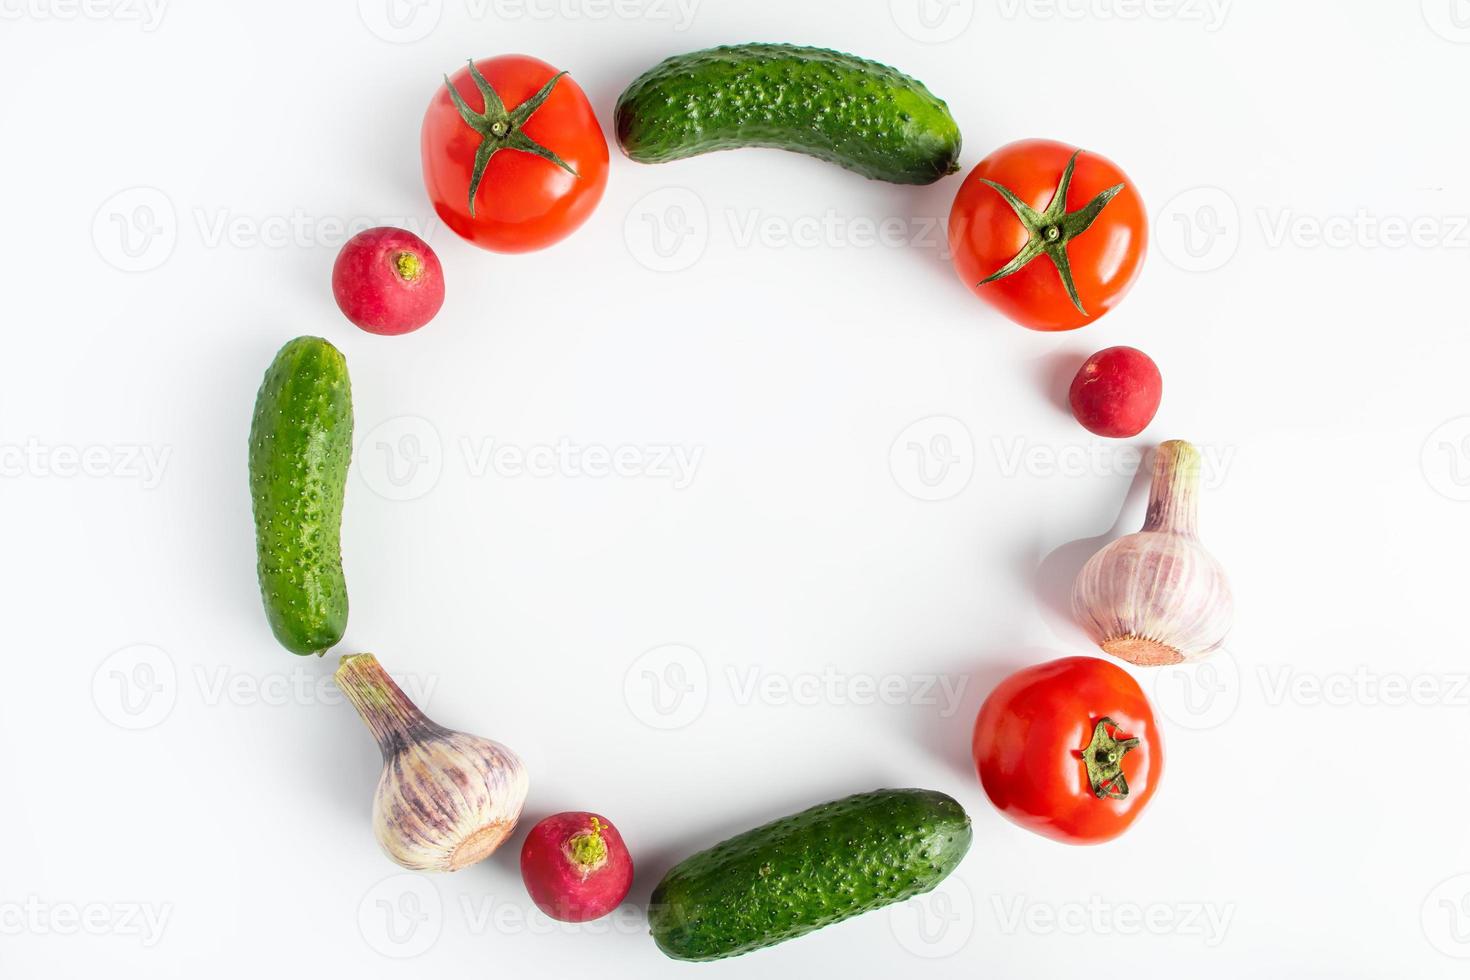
point(445, 799)
point(1158, 597)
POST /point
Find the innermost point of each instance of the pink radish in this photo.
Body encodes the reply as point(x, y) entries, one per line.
point(1116, 392)
point(388, 281)
point(575, 866)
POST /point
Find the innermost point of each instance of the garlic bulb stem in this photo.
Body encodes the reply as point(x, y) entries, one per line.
point(394, 720)
point(445, 799)
point(1173, 497)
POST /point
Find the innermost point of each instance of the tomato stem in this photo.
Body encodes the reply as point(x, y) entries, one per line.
point(1103, 759)
point(500, 128)
point(1050, 231)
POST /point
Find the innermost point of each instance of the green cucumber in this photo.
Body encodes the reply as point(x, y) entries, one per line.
point(856, 113)
point(300, 445)
point(809, 870)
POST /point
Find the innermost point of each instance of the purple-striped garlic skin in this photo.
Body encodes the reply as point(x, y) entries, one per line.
point(448, 801)
point(445, 799)
point(1158, 597)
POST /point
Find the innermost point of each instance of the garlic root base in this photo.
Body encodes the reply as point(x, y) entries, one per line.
point(1141, 651)
point(479, 845)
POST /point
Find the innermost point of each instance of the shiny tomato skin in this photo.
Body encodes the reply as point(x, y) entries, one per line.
point(984, 234)
point(523, 202)
point(1028, 740)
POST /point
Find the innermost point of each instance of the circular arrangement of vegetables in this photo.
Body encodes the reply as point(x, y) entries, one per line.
point(1050, 235)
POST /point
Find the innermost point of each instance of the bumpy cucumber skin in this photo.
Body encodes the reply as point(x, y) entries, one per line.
point(855, 113)
point(300, 446)
point(806, 871)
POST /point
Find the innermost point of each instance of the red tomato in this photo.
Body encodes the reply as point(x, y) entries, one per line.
point(1018, 253)
point(522, 174)
point(1038, 731)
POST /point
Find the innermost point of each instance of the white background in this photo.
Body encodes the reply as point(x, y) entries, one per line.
point(175, 184)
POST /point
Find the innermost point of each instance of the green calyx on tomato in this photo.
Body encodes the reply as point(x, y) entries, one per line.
point(500, 128)
point(1103, 758)
point(1051, 230)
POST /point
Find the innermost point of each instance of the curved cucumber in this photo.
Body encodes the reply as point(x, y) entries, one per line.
point(856, 113)
point(300, 445)
point(802, 872)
